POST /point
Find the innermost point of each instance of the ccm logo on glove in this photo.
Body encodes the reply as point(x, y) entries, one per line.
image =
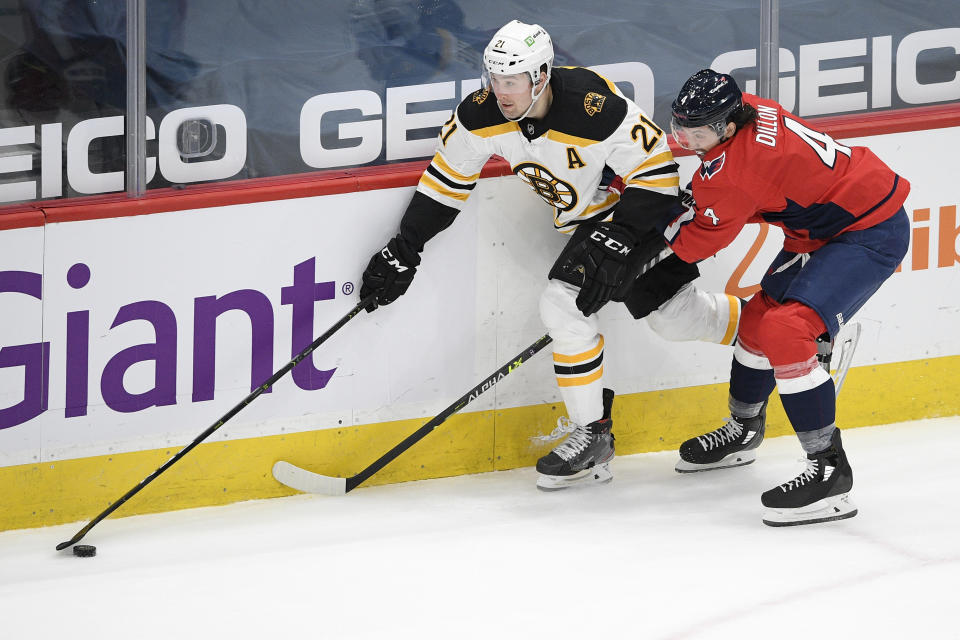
point(392, 261)
point(389, 273)
point(614, 245)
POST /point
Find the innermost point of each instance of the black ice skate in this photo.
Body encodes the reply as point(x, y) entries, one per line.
point(732, 445)
point(819, 494)
point(584, 457)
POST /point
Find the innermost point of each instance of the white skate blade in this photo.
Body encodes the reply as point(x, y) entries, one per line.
point(599, 474)
point(307, 481)
point(826, 510)
point(733, 460)
point(847, 348)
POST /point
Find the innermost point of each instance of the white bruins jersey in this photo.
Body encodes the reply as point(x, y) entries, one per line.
point(590, 125)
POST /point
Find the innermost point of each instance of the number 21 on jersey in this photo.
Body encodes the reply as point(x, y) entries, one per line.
point(648, 132)
point(447, 129)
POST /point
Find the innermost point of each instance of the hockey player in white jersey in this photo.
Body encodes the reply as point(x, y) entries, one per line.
point(566, 132)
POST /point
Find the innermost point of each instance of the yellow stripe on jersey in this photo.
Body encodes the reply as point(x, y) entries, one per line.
point(566, 138)
point(609, 201)
point(433, 185)
point(582, 380)
point(652, 163)
point(496, 130)
point(442, 165)
point(733, 322)
point(580, 357)
point(655, 183)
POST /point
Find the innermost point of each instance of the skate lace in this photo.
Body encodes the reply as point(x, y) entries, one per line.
point(807, 476)
point(577, 442)
point(564, 426)
point(729, 432)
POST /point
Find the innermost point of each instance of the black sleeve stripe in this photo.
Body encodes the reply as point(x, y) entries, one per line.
point(447, 181)
point(597, 217)
point(578, 369)
point(670, 168)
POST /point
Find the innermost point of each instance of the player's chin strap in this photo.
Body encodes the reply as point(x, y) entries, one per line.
point(534, 97)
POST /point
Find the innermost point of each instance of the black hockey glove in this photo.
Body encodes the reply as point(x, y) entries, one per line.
point(604, 255)
point(659, 284)
point(686, 198)
point(389, 272)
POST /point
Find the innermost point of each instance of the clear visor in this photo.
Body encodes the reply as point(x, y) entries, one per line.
point(700, 138)
point(513, 84)
point(515, 90)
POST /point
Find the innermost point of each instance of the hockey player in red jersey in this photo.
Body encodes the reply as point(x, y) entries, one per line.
point(566, 132)
point(841, 211)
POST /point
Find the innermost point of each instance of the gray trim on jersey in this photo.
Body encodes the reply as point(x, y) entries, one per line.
point(743, 409)
point(818, 440)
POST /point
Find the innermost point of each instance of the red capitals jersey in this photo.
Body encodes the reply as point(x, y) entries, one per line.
point(780, 170)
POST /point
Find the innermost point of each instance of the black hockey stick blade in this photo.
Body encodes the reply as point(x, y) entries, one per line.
point(219, 423)
point(302, 480)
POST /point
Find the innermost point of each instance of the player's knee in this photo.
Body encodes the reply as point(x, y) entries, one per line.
point(751, 318)
point(559, 314)
point(692, 314)
point(668, 320)
point(786, 327)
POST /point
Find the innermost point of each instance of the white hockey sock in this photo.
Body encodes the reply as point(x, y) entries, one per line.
point(580, 377)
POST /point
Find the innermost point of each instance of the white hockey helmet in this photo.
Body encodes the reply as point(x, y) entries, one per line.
point(519, 48)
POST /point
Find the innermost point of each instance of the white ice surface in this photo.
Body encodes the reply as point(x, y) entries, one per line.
point(655, 554)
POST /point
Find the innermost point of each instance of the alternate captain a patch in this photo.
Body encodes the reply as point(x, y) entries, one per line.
point(710, 168)
point(593, 103)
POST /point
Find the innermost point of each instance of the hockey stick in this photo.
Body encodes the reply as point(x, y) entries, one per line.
point(306, 481)
point(219, 423)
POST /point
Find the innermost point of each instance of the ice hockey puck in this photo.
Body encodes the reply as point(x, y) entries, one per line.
point(85, 550)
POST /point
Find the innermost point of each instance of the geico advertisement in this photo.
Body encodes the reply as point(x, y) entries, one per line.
point(816, 79)
point(140, 332)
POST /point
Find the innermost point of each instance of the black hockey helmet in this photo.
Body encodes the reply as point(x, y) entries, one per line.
point(707, 97)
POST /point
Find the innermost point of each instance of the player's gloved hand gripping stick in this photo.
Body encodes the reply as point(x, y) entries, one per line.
point(604, 256)
point(389, 273)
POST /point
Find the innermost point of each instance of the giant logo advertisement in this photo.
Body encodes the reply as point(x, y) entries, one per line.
point(129, 333)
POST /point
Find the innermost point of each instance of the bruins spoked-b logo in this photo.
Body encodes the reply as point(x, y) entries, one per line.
point(480, 96)
point(555, 191)
point(593, 103)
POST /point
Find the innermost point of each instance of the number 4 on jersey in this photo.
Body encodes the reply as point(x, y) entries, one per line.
point(825, 146)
